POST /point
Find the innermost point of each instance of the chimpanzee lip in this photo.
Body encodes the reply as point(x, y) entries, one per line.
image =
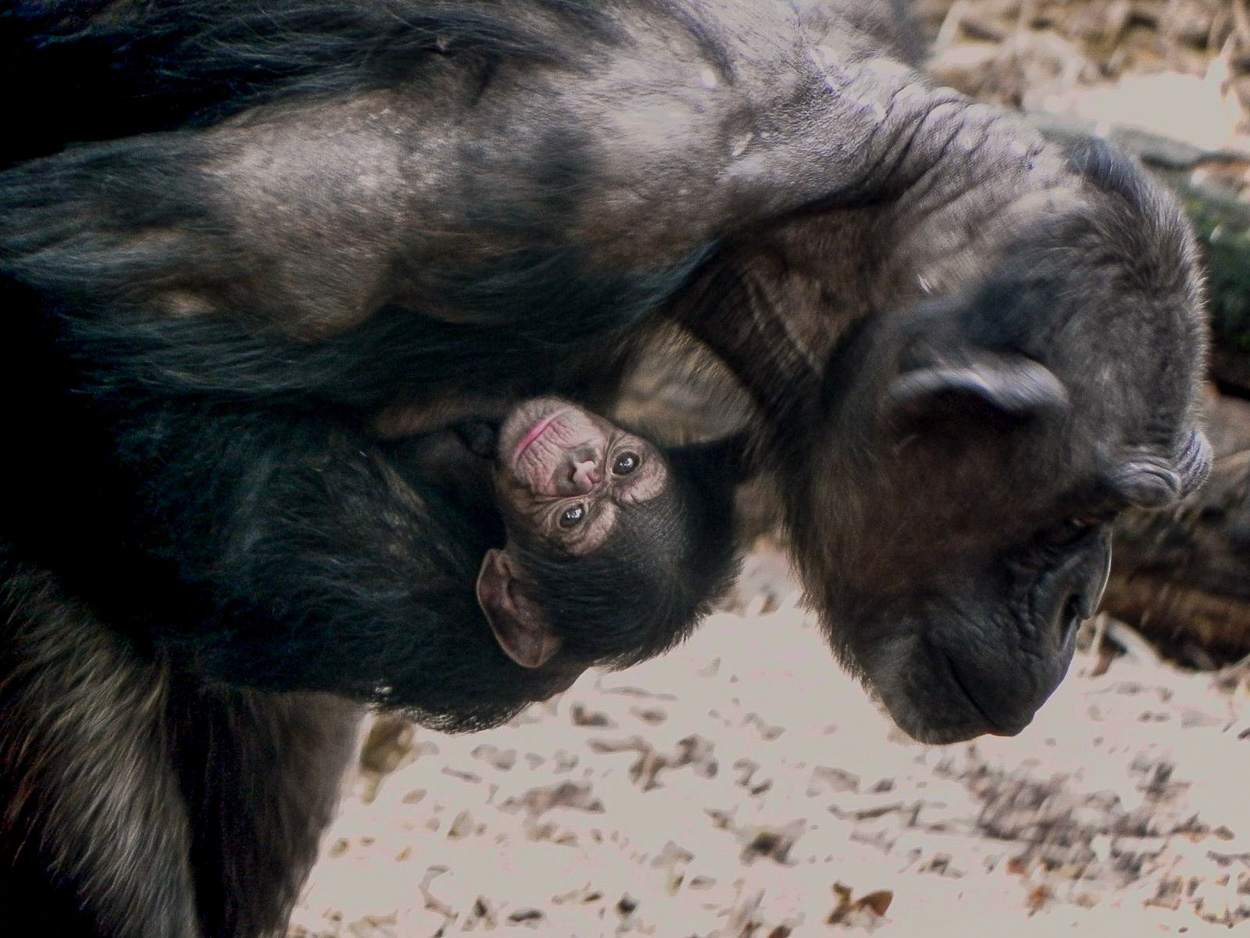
point(993, 726)
point(536, 431)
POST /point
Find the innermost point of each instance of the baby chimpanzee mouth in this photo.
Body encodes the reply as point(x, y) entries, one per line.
point(536, 431)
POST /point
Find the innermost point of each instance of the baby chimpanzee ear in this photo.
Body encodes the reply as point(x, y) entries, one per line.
point(518, 624)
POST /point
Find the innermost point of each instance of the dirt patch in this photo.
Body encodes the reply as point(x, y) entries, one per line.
point(745, 786)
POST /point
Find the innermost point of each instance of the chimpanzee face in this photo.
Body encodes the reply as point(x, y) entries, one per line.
point(615, 547)
point(951, 499)
point(953, 559)
point(565, 474)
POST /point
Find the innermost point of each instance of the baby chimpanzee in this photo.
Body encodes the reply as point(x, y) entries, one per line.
point(612, 547)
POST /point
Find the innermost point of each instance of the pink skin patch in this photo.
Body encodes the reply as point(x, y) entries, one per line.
point(535, 432)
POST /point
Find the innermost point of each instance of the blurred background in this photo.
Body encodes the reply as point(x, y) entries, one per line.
point(744, 787)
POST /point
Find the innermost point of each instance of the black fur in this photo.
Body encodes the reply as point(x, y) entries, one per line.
point(214, 841)
point(111, 71)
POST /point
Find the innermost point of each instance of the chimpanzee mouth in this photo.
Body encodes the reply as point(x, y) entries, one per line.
point(995, 727)
point(536, 431)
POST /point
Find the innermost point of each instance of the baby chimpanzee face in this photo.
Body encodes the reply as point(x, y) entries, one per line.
point(565, 474)
point(615, 547)
point(565, 480)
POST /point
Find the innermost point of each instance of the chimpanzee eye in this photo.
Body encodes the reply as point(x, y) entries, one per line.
point(1072, 530)
point(572, 517)
point(626, 463)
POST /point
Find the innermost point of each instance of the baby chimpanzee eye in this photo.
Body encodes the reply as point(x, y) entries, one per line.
point(571, 517)
point(626, 463)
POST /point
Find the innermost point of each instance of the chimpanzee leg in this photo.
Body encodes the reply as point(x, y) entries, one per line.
point(262, 772)
point(95, 838)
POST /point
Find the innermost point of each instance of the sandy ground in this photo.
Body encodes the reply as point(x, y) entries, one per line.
point(744, 786)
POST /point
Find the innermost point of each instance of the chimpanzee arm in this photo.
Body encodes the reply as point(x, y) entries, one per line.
point(560, 187)
point(404, 420)
point(245, 509)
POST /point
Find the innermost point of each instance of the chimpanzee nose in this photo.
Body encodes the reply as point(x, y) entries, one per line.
point(585, 473)
point(1082, 602)
point(1086, 600)
point(1071, 615)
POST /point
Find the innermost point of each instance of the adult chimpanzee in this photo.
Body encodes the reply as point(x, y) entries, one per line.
point(968, 349)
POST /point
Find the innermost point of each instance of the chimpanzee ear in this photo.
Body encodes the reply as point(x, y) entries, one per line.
point(1004, 383)
point(518, 624)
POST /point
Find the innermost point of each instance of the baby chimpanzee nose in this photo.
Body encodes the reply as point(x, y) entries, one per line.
point(585, 472)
